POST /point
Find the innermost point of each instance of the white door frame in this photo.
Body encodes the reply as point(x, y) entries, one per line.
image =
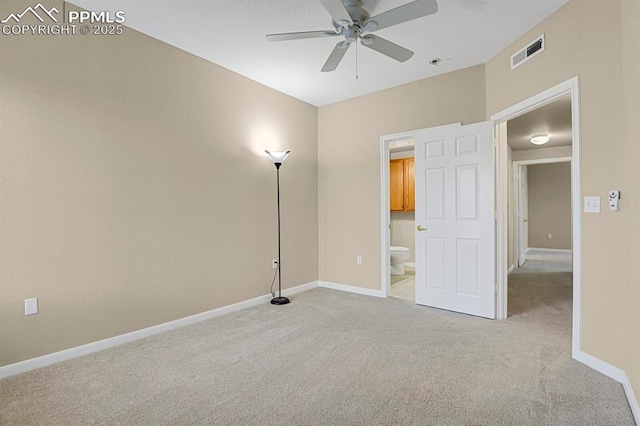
point(516, 193)
point(570, 86)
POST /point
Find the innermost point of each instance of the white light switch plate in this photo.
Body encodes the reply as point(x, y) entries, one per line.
point(31, 306)
point(592, 204)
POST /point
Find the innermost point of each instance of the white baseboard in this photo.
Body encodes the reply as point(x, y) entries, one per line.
point(511, 268)
point(631, 396)
point(616, 374)
point(599, 365)
point(89, 348)
point(351, 289)
point(536, 250)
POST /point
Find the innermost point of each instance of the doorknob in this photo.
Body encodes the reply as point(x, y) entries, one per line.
point(526, 220)
point(421, 228)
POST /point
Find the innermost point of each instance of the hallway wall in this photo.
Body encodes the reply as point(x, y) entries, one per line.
point(549, 205)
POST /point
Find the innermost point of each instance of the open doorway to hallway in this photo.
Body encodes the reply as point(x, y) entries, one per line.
point(539, 230)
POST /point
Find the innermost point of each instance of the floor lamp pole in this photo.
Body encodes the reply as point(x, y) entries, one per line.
point(279, 300)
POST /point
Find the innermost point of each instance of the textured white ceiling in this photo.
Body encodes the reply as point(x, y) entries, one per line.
point(231, 33)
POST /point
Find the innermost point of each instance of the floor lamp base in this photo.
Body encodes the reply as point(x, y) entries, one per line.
point(279, 301)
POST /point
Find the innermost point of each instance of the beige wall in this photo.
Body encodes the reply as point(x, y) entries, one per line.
point(549, 188)
point(135, 189)
point(631, 70)
point(574, 48)
point(349, 163)
point(542, 153)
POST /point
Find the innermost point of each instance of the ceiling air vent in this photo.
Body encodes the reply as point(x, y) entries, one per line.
point(528, 52)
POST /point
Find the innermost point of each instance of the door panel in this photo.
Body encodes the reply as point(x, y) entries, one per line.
point(523, 214)
point(455, 254)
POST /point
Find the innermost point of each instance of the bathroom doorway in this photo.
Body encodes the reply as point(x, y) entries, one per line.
point(402, 219)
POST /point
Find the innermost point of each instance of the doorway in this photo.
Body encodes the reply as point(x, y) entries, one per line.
point(569, 90)
point(454, 203)
point(402, 219)
point(545, 211)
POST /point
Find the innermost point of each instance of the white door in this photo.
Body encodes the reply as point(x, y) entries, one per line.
point(523, 214)
point(455, 236)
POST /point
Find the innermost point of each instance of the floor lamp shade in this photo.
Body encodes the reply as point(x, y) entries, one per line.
point(278, 158)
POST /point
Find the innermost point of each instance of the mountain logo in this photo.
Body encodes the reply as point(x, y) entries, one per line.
point(34, 11)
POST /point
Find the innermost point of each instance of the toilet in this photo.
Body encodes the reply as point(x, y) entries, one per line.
point(399, 255)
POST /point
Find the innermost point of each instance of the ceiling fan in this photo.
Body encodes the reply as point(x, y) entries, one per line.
point(351, 20)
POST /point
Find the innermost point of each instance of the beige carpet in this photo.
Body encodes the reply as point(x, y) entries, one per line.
point(334, 358)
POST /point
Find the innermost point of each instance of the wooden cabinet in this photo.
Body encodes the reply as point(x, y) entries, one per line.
point(402, 185)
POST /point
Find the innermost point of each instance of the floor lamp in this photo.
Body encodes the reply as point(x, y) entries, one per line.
point(278, 158)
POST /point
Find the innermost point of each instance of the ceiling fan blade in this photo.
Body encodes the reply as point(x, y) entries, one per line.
point(387, 48)
point(337, 11)
point(301, 35)
point(415, 9)
point(336, 56)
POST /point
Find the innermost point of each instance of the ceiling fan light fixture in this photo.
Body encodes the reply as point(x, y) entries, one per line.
point(540, 139)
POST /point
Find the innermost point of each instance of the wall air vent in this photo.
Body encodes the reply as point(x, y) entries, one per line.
point(528, 52)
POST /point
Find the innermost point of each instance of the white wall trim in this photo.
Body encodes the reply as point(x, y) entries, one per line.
point(351, 289)
point(552, 160)
point(616, 374)
point(600, 366)
point(511, 268)
point(89, 348)
point(631, 396)
point(385, 218)
point(538, 250)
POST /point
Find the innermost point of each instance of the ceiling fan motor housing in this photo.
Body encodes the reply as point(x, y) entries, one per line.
point(351, 34)
point(355, 10)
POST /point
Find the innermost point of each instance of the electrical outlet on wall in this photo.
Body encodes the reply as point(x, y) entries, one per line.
point(549, 236)
point(359, 260)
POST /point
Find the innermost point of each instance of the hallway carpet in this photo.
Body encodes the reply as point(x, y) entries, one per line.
point(334, 358)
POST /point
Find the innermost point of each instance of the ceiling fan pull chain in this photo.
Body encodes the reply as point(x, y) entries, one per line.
point(356, 43)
